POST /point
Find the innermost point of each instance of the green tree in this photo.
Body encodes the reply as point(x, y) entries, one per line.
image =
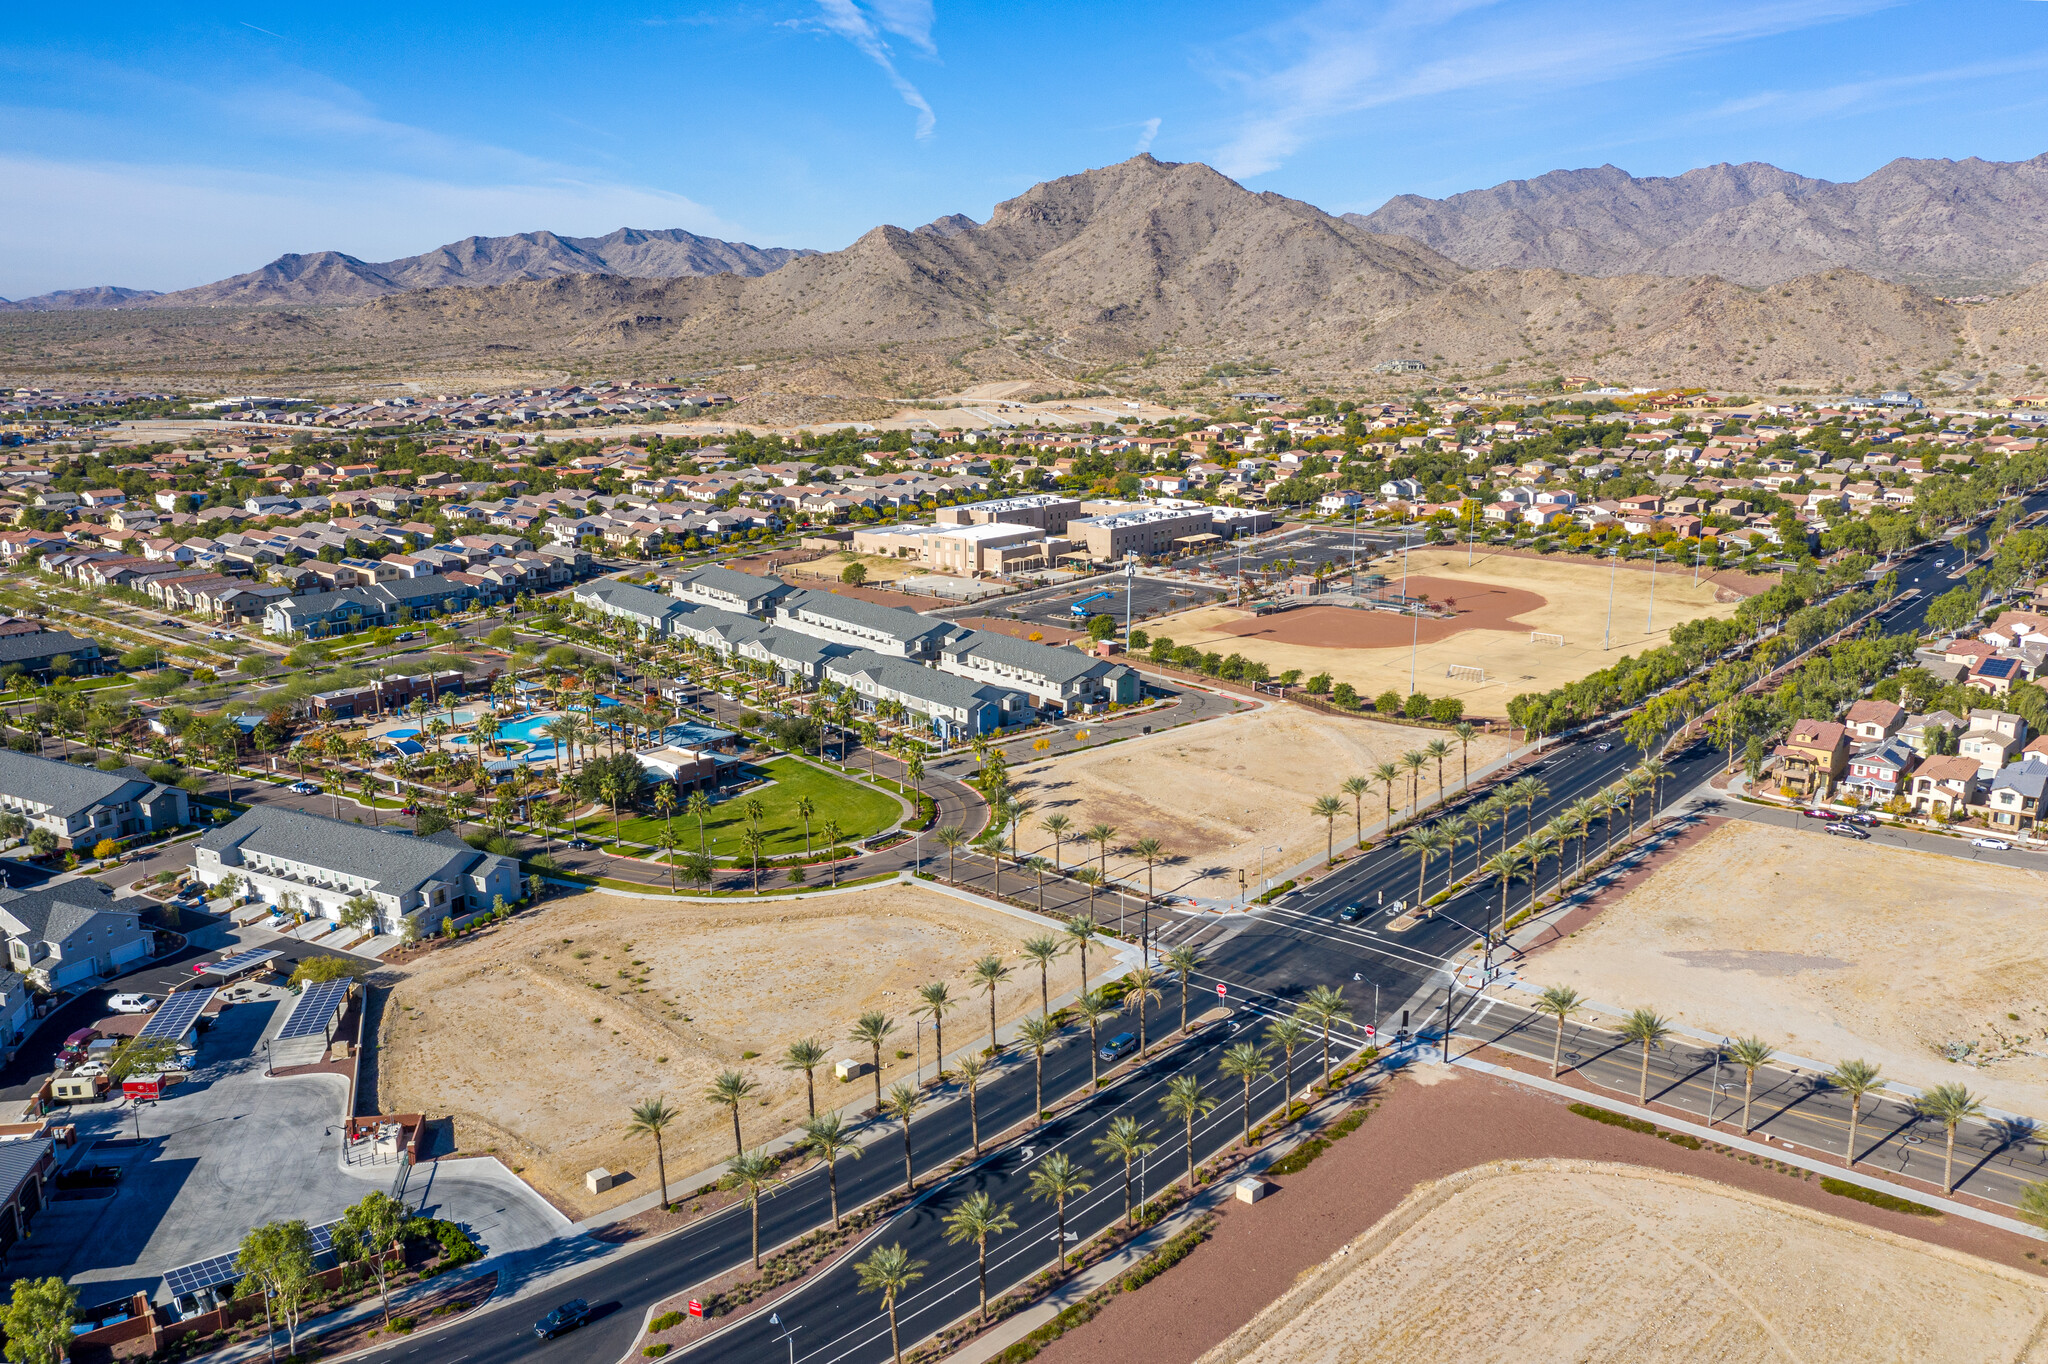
point(1246, 1061)
point(872, 1030)
point(1042, 951)
point(38, 1319)
point(904, 1101)
point(989, 973)
point(1752, 1054)
point(935, 1001)
point(1560, 1002)
point(1185, 1100)
point(1327, 808)
point(729, 1091)
point(1289, 1033)
point(651, 1118)
point(1183, 960)
point(1950, 1105)
point(1083, 930)
point(806, 1054)
point(828, 1138)
point(977, 1218)
point(1126, 1140)
point(888, 1271)
point(276, 1260)
point(1855, 1078)
point(753, 1171)
point(1322, 1008)
point(1094, 1010)
point(1055, 1179)
point(1647, 1030)
point(369, 1232)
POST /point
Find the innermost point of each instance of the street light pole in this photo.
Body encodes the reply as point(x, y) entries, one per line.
point(1650, 626)
point(1613, 567)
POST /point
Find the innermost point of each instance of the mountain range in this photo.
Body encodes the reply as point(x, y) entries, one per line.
point(1143, 277)
point(330, 278)
point(1953, 227)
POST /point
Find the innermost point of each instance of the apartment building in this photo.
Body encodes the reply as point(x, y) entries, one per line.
point(1144, 531)
point(82, 805)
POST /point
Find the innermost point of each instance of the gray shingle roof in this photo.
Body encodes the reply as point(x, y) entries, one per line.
point(1056, 664)
point(66, 788)
point(44, 645)
point(18, 1160)
point(53, 913)
point(626, 597)
point(745, 586)
point(894, 622)
point(392, 861)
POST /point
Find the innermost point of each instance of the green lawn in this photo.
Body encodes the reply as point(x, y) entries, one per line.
point(860, 811)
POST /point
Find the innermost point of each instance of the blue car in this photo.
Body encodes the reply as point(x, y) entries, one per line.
point(567, 1317)
point(1120, 1046)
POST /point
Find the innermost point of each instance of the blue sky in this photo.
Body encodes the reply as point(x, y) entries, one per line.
point(163, 146)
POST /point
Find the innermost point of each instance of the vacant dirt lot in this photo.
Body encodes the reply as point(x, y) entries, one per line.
point(1583, 1261)
point(1833, 949)
point(1499, 601)
point(540, 1037)
point(1216, 792)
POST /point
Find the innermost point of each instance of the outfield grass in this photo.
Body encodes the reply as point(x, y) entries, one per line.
point(859, 810)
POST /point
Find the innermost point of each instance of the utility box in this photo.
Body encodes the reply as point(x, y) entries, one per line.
point(600, 1180)
point(1252, 1190)
point(849, 1068)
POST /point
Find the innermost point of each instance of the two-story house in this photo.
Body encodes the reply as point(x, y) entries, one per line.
point(1813, 758)
point(1057, 678)
point(1882, 772)
point(1873, 722)
point(2013, 800)
point(82, 805)
point(1945, 785)
point(62, 935)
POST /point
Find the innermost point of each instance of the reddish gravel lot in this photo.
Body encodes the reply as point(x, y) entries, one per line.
point(1478, 607)
point(1422, 1130)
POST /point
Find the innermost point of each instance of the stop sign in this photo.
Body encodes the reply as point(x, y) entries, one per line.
point(1222, 991)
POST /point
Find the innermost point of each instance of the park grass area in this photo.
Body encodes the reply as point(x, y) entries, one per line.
point(1553, 596)
point(860, 811)
point(1219, 793)
point(1565, 1259)
point(540, 1034)
point(1833, 949)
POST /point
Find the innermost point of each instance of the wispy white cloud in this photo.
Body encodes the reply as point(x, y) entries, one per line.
point(1341, 58)
point(1781, 106)
point(1147, 131)
point(864, 27)
point(170, 226)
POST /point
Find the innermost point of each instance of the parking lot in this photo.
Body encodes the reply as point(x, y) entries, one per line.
point(1306, 548)
point(230, 1149)
point(1148, 597)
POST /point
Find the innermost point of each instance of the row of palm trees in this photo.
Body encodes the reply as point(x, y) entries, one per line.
point(1949, 1104)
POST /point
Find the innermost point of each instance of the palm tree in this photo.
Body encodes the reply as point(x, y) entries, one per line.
point(1358, 788)
point(1949, 1105)
point(806, 1054)
point(828, 1138)
point(613, 791)
point(1038, 1034)
point(872, 1030)
point(1141, 987)
point(904, 1101)
point(1057, 1178)
point(1323, 1008)
point(1466, 732)
point(1582, 813)
point(1058, 826)
point(1151, 852)
point(935, 1002)
point(1042, 951)
point(1183, 961)
point(1526, 792)
point(1427, 842)
point(1327, 808)
point(1083, 930)
point(1100, 835)
point(805, 808)
point(651, 1118)
point(1607, 802)
point(729, 1090)
point(1412, 762)
point(1459, 830)
point(1560, 1002)
point(1507, 865)
point(1648, 1030)
point(976, 1219)
point(834, 836)
point(1094, 1010)
point(952, 838)
point(1287, 1033)
point(1652, 773)
point(1387, 775)
point(1438, 750)
point(753, 840)
point(1548, 841)
point(1038, 866)
point(970, 1068)
point(1091, 878)
point(1126, 1139)
point(1185, 1100)
point(1855, 1078)
point(698, 806)
point(754, 1171)
point(1246, 1061)
point(888, 1271)
point(1752, 1054)
point(989, 973)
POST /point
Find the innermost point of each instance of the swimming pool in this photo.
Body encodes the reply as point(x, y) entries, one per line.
point(530, 730)
point(396, 734)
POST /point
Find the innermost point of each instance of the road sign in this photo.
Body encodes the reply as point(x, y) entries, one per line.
point(1222, 991)
point(1370, 1030)
point(696, 1308)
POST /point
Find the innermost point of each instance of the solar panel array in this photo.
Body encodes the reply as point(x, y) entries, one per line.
point(315, 1010)
point(188, 1280)
point(176, 1015)
point(242, 961)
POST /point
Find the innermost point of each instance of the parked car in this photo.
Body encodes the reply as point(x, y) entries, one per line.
point(567, 1317)
point(87, 1069)
point(1120, 1046)
point(581, 845)
point(1351, 914)
point(1862, 818)
point(408, 635)
point(1817, 813)
point(1847, 830)
point(1995, 844)
point(169, 625)
point(303, 788)
point(131, 1004)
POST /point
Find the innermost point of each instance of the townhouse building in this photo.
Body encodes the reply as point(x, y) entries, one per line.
point(82, 805)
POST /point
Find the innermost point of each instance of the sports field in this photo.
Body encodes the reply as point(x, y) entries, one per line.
point(859, 809)
point(1499, 601)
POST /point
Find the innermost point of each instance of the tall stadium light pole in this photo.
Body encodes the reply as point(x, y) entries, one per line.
point(1130, 577)
point(1650, 625)
point(1613, 566)
point(1414, 644)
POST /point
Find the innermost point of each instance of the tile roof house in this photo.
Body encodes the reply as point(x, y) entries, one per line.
point(1874, 721)
point(2013, 800)
point(1988, 747)
point(1945, 785)
point(308, 862)
point(1813, 758)
point(1920, 729)
point(1996, 676)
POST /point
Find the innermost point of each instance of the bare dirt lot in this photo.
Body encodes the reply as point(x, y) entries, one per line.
point(1584, 1261)
point(1833, 949)
point(1499, 600)
point(1216, 793)
point(539, 1037)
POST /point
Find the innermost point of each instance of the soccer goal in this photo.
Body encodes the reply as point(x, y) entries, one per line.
point(1468, 671)
point(1545, 637)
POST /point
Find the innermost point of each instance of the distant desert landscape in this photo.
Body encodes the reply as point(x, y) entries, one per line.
point(1576, 1260)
